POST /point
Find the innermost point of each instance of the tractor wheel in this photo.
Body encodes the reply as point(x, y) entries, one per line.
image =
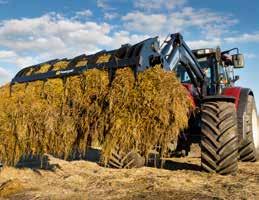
point(219, 141)
point(250, 143)
point(121, 160)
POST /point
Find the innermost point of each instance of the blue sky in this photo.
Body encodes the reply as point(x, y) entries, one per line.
point(35, 31)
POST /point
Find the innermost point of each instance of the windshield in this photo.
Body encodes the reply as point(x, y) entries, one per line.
point(183, 75)
point(205, 67)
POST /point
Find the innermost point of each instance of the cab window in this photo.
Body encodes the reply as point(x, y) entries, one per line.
point(182, 74)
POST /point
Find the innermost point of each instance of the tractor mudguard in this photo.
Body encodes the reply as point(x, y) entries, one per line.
point(241, 98)
point(233, 92)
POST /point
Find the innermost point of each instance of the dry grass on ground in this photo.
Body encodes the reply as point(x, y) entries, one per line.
point(87, 180)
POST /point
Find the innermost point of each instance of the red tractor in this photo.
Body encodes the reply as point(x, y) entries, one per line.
point(225, 120)
point(219, 67)
point(219, 143)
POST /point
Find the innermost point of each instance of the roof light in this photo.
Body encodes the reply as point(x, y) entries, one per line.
point(200, 52)
point(204, 51)
point(207, 51)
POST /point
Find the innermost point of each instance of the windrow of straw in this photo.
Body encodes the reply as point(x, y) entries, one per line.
point(63, 117)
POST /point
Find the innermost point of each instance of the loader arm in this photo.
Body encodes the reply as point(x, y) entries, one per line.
point(177, 51)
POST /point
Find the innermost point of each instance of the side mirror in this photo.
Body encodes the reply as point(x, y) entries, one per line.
point(238, 60)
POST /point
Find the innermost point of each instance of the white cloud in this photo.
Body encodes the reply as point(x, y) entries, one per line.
point(20, 60)
point(103, 4)
point(5, 54)
point(25, 61)
point(150, 5)
point(4, 74)
point(29, 41)
point(197, 44)
point(83, 14)
point(246, 37)
point(52, 35)
point(210, 24)
point(110, 16)
point(144, 23)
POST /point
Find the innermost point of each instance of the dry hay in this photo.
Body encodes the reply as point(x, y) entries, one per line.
point(61, 117)
point(146, 113)
point(11, 187)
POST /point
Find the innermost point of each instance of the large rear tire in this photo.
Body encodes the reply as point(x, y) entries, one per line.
point(250, 143)
point(122, 160)
point(219, 141)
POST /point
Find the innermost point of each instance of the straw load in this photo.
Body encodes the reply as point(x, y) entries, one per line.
point(63, 117)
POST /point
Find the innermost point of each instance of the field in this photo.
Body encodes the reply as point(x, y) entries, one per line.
point(182, 179)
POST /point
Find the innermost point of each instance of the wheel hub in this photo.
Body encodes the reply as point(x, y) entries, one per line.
point(255, 129)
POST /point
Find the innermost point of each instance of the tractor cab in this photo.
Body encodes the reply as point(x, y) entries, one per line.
point(219, 67)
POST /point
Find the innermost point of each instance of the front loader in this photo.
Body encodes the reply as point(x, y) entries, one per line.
point(219, 106)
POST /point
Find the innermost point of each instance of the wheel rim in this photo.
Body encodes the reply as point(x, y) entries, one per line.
point(255, 129)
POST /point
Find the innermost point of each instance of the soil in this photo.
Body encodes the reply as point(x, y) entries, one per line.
point(182, 178)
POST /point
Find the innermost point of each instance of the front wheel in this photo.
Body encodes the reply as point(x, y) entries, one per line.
point(219, 141)
point(122, 160)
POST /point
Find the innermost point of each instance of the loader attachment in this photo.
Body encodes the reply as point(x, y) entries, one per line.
point(139, 57)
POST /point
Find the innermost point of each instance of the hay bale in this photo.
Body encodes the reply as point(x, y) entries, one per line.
point(103, 58)
point(81, 63)
point(60, 65)
point(61, 117)
point(146, 113)
point(87, 95)
point(44, 68)
point(13, 123)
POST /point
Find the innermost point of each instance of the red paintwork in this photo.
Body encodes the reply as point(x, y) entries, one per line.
point(188, 86)
point(233, 92)
point(190, 89)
